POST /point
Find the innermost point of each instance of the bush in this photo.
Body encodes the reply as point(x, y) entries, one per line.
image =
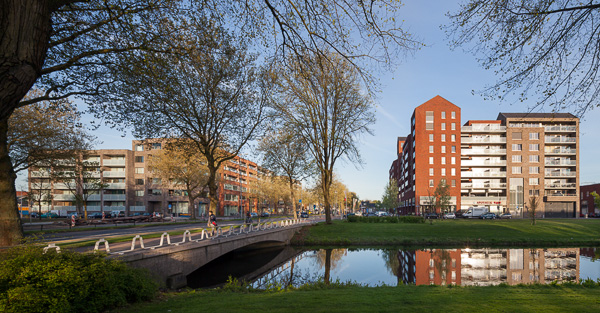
point(31, 281)
point(386, 219)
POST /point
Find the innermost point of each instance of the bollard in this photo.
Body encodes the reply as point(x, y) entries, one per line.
point(52, 246)
point(105, 245)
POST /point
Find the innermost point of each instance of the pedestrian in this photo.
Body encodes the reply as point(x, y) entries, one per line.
point(248, 218)
point(212, 222)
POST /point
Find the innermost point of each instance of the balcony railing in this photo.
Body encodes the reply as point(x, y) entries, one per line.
point(483, 128)
point(39, 174)
point(550, 139)
point(560, 174)
point(114, 208)
point(62, 186)
point(484, 186)
point(109, 197)
point(560, 129)
point(560, 151)
point(94, 197)
point(483, 151)
point(561, 162)
point(559, 185)
point(94, 208)
point(483, 140)
point(483, 174)
point(66, 207)
point(69, 197)
point(483, 162)
point(114, 173)
point(115, 186)
point(109, 162)
point(137, 208)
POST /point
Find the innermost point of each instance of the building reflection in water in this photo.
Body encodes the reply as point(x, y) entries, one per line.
point(483, 267)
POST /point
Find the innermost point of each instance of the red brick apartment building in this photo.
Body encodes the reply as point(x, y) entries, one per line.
point(588, 206)
point(497, 163)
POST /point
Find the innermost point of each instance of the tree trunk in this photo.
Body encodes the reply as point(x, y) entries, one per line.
point(326, 186)
point(191, 202)
point(327, 276)
point(293, 197)
point(11, 230)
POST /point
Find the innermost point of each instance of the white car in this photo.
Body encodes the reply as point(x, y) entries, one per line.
point(381, 213)
point(450, 215)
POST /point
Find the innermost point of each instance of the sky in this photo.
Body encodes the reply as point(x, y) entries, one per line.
point(433, 70)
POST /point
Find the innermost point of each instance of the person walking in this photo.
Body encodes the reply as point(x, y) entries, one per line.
point(212, 222)
point(248, 218)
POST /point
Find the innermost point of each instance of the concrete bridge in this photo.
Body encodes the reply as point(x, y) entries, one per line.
point(171, 263)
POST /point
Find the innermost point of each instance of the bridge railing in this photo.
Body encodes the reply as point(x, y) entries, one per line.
point(204, 234)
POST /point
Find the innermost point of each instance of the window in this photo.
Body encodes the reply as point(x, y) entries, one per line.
point(431, 183)
point(516, 170)
point(156, 181)
point(139, 170)
point(443, 126)
point(443, 149)
point(443, 137)
point(139, 147)
point(453, 114)
point(443, 115)
point(534, 136)
point(430, 160)
point(516, 159)
point(453, 138)
point(534, 192)
point(453, 126)
point(453, 172)
point(454, 183)
point(139, 159)
point(430, 149)
point(453, 160)
point(517, 146)
point(139, 193)
point(443, 160)
point(139, 203)
point(156, 146)
point(443, 172)
point(534, 158)
point(453, 149)
point(430, 137)
point(534, 181)
point(431, 172)
point(534, 147)
point(139, 181)
point(516, 136)
point(155, 192)
point(534, 170)
point(429, 120)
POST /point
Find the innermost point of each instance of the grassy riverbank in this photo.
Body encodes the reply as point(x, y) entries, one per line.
point(535, 298)
point(515, 232)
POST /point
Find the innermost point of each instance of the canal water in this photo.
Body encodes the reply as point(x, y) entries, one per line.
point(376, 267)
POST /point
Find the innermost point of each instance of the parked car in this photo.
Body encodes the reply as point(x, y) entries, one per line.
point(95, 215)
point(264, 214)
point(304, 214)
point(449, 215)
point(253, 214)
point(488, 216)
point(146, 214)
point(34, 215)
point(371, 214)
point(49, 215)
point(381, 213)
point(431, 215)
point(506, 215)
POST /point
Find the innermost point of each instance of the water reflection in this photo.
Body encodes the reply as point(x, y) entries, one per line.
point(466, 267)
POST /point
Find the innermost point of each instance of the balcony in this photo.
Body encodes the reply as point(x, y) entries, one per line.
point(483, 185)
point(560, 162)
point(114, 174)
point(40, 174)
point(114, 208)
point(559, 197)
point(68, 197)
point(115, 186)
point(468, 174)
point(483, 163)
point(554, 129)
point(66, 207)
point(93, 197)
point(560, 139)
point(483, 151)
point(560, 151)
point(109, 197)
point(560, 174)
point(483, 128)
point(110, 162)
point(63, 186)
point(94, 208)
point(94, 174)
point(137, 208)
point(37, 186)
point(560, 185)
point(483, 140)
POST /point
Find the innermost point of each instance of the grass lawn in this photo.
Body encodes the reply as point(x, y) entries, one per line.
point(515, 232)
point(536, 298)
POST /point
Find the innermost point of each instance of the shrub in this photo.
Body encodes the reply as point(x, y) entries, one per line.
point(31, 281)
point(386, 219)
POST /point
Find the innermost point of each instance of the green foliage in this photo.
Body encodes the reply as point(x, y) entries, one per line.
point(31, 281)
point(386, 219)
point(390, 195)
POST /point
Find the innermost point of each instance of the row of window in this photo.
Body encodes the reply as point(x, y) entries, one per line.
point(519, 170)
point(519, 147)
point(443, 172)
point(452, 149)
point(431, 183)
point(519, 158)
point(154, 146)
point(519, 136)
point(443, 138)
point(443, 160)
point(429, 126)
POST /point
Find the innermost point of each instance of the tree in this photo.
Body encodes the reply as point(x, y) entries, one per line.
point(181, 163)
point(40, 192)
point(596, 200)
point(210, 94)
point(545, 49)
point(533, 204)
point(442, 196)
point(286, 154)
point(390, 195)
point(324, 104)
point(66, 46)
point(43, 132)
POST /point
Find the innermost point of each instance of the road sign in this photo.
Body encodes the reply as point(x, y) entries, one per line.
point(300, 200)
point(314, 206)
